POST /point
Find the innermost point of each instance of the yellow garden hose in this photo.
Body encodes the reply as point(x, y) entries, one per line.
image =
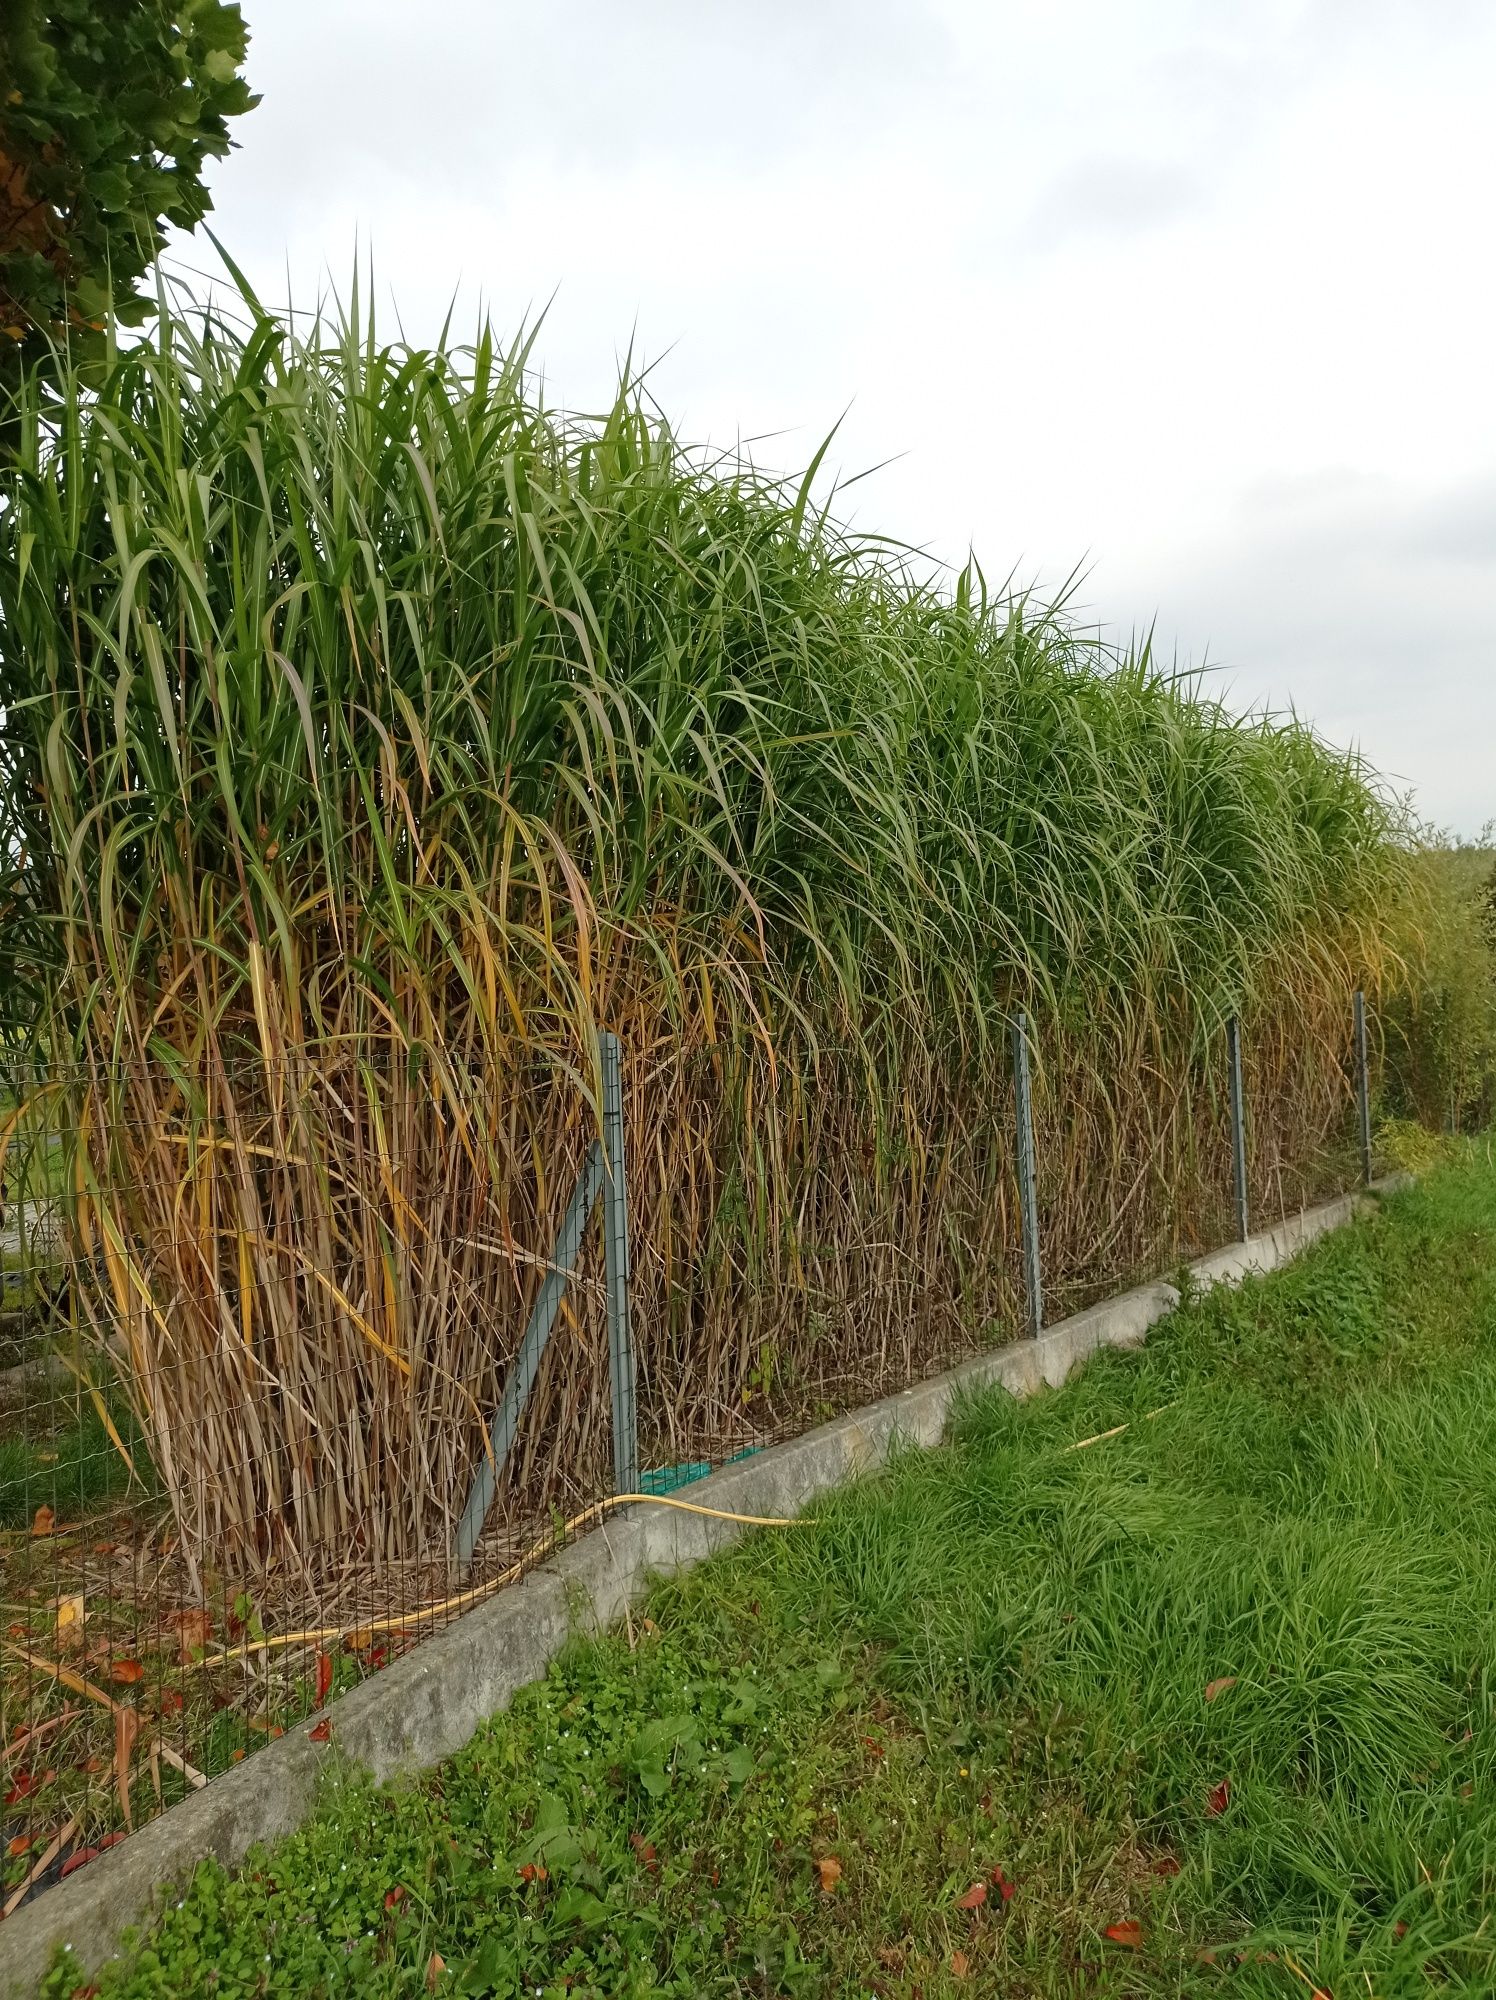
point(465, 1598)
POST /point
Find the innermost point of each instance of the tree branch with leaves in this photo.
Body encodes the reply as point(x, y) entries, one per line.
point(109, 112)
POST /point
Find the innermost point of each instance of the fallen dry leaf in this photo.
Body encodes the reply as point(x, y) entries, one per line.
point(84, 1854)
point(829, 1870)
point(126, 1672)
point(960, 1965)
point(1219, 1799)
point(532, 1871)
point(322, 1733)
point(1220, 1686)
point(17, 1846)
point(974, 1898)
point(39, 1867)
point(43, 1521)
point(393, 1896)
point(436, 1965)
point(324, 1677)
point(194, 1630)
point(69, 1625)
point(1129, 1932)
point(1165, 1864)
point(1002, 1885)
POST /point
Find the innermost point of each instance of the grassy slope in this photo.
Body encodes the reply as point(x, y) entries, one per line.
point(996, 1658)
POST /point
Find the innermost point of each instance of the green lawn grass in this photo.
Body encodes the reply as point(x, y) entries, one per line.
point(1220, 1684)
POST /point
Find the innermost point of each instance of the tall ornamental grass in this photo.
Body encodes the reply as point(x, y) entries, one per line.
point(374, 733)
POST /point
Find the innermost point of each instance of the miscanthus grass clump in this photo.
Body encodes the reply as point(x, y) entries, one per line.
point(372, 734)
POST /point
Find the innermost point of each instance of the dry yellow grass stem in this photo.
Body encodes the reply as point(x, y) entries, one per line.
point(1116, 1430)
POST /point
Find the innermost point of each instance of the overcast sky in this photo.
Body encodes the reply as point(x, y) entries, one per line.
point(1196, 293)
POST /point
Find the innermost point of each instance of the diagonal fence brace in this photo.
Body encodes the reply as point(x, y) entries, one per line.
point(527, 1361)
point(602, 1176)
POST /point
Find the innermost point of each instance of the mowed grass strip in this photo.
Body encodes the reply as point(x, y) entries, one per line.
point(1203, 1707)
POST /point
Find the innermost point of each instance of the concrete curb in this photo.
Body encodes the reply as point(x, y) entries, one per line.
point(428, 1704)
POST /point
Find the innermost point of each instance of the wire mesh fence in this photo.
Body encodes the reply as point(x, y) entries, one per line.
point(260, 1322)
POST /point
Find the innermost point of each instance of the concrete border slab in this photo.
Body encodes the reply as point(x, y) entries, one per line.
point(428, 1704)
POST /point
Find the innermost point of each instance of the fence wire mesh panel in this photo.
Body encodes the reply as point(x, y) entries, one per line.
point(809, 1247)
point(1302, 1138)
point(257, 1323)
point(260, 1320)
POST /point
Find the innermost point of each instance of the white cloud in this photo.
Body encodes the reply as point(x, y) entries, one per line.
point(1197, 289)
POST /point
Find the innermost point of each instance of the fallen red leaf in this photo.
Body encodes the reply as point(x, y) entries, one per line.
point(1165, 1864)
point(974, 1898)
point(20, 1845)
point(194, 1629)
point(321, 1732)
point(1399, 1929)
point(393, 1896)
point(83, 1854)
point(960, 1965)
point(1219, 1799)
point(43, 1521)
point(648, 1859)
point(171, 1702)
point(25, 1783)
point(531, 1871)
point(1219, 1687)
point(1002, 1885)
point(127, 1672)
point(874, 1747)
point(829, 1869)
point(324, 1677)
point(1129, 1932)
point(436, 1965)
